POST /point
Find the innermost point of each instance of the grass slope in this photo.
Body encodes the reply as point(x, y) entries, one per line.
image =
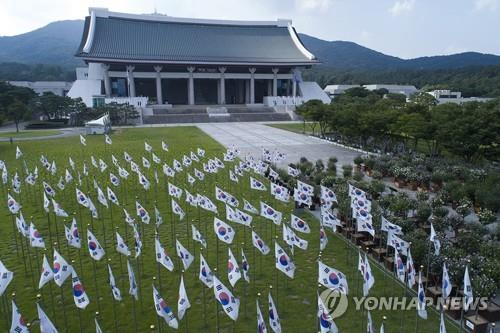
point(296, 299)
point(28, 134)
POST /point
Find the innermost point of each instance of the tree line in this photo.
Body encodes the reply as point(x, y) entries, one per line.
point(18, 104)
point(474, 81)
point(388, 123)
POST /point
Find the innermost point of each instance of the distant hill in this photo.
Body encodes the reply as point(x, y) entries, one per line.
point(56, 43)
point(53, 44)
point(349, 55)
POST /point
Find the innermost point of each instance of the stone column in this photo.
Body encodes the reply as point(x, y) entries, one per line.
point(107, 81)
point(159, 96)
point(252, 84)
point(222, 86)
point(191, 69)
point(130, 79)
point(275, 81)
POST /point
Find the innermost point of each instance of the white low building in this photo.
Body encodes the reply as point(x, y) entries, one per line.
point(337, 89)
point(60, 88)
point(448, 96)
point(393, 88)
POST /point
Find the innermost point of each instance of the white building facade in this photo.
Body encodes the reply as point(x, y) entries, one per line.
point(180, 61)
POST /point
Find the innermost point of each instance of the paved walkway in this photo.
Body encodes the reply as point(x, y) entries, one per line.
point(250, 138)
point(72, 131)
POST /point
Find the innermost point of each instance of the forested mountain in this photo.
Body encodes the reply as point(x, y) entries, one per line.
point(342, 62)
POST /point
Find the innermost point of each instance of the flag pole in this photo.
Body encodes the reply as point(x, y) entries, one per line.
point(114, 305)
point(158, 317)
point(95, 280)
point(28, 241)
point(216, 309)
point(245, 285)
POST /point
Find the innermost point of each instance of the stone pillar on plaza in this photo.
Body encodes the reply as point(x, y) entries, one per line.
point(252, 84)
point(159, 95)
point(130, 81)
point(107, 80)
point(191, 69)
point(222, 86)
point(275, 81)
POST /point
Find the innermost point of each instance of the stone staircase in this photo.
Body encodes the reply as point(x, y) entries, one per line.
point(199, 114)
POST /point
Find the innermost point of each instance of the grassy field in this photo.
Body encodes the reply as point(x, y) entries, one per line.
point(296, 299)
point(28, 134)
point(296, 128)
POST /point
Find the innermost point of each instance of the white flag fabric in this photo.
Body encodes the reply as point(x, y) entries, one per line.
point(249, 207)
point(46, 325)
point(205, 275)
point(399, 267)
point(369, 324)
point(79, 294)
point(305, 188)
point(390, 227)
point(233, 269)
point(174, 191)
point(327, 195)
point(422, 313)
point(177, 210)
point(83, 141)
point(121, 247)
point(162, 256)
point(163, 310)
point(238, 216)
point(186, 257)
point(142, 213)
point(197, 236)
point(47, 273)
point(12, 204)
point(230, 304)
point(223, 231)
point(326, 323)
point(257, 185)
point(183, 302)
point(442, 326)
point(433, 238)
point(95, 249)
point(101, 197)
point(283, 261)
point(97, 327)
point(323, 238)
point(259, 244)
point(410, 271)
point(226, 197)
point(112, 196)
point(147, 146)
point(245, 267)
point(112, 283)
point(58, 209)
point(397, 243)
point(364, 222)
point(261, 324)
point(72, 235)
point(468, 295)
point(5, 278)
point(19, 153)
point(35, 237)
point(206, 203)
point(137, 241)
point(46, 203)
point(446, 283)
point(18, 324)
point(274, 319)
point(299, 224)
point(133, 290)
point(270, 213)
point(293, 172)
point(62, 270)
point(332, 278)
point(329, 220)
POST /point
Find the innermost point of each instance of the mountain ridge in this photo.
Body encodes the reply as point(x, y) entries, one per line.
point(56, 43)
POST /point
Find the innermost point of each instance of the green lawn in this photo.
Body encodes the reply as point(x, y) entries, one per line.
point(296, 127)
point(296, 299)
point(28, 134)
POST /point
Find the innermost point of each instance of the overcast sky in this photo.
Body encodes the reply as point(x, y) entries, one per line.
point(404, 28)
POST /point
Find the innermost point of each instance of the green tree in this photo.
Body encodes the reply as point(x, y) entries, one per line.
point(17, 112)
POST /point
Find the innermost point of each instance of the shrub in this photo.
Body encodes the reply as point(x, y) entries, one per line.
point(357, 176)
point(347, 170)
point(440, 212)
point(424, 211)
point(358, 160)
point(377, 175)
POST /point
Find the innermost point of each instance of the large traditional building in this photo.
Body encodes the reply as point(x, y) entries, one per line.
point(180, 61)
